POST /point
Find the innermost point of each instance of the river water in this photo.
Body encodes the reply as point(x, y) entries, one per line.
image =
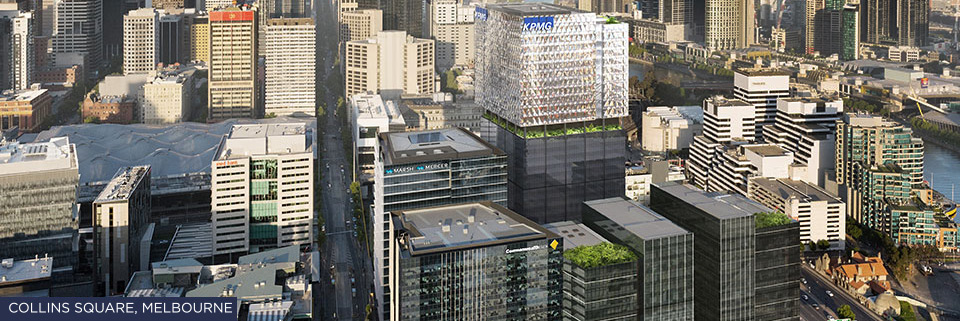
point(941, 167)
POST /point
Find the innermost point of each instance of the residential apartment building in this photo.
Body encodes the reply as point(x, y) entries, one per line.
point(168, 97)
point(19, 53)
point(24, 109)
point(391, 64)
point(822, 216)
point(670, 128)
point(483, 261)
point(79, 29)
point(39, 209)
point(233, 88)
point(370, 116)
point(450, 24)
point(724, 244)
point(262, 189)
point(424, 169)
point(806, 126)
point(666, 264)
point(290, 67)
point(564, 139)
point(121, 216)
point(725, 121)
point(761, 88)
point(141, 31)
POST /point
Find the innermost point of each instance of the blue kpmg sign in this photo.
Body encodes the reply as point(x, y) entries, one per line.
point(538, 23)
point(119, 308)
point(480, 13)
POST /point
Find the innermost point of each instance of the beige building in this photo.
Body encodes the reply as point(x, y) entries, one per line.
point(121, 216)
point(290, 68)
point(392, 64)
point(200, 39)
point(451, 25)
point(167, 97)
point(427, 114)
point(360, 24)
point(232, 90)
point(822, 216)
point(670, 128)
point(729, 24)
point(140, 40)
point(647, 30)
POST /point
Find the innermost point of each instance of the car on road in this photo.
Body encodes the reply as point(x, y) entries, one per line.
point(804, 280)
point(805, 297)
point(816, 306)
point(830, 293)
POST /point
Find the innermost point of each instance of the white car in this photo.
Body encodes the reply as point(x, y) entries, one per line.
point(830, 293)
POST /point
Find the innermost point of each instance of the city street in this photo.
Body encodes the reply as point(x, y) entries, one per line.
point(816, 288)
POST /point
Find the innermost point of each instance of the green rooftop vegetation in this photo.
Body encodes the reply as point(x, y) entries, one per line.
point(769, 219)
point(606, 253)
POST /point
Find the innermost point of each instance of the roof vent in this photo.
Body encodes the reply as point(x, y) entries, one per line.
point(465, 229)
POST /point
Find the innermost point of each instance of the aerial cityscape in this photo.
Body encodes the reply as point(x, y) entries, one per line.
point(388, 160)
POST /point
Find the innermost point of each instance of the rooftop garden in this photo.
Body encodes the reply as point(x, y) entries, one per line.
point(603, 254)
point(770, 219)
point(553, 130)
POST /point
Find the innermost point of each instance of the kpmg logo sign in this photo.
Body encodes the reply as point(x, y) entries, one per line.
point(480, 13)
point(537, 23)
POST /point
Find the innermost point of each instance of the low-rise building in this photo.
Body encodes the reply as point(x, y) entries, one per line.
point(24, 109)
point(427, 114)
point(59, 76)
point(860, 271)
point(903, 53)
point(670, 128)
point(109, 109)
point(26, 278)
point(822, 216)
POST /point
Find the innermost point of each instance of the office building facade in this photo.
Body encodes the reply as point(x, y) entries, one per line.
point(262, 189)
point(19, 57)
point(850, 32)
point(392, 64)
point(666, 262)
point(899, 22)
point(141, 29)
point(562, 135)
point(777, 277)
point(200, 39)
point(290, 67)
point(121, 215)
point(728, 24)
point(482, 262)
point(370, 116)
point(79, 29)
point(451, 24)
point(38, 210)
point(168, 97)
point(25, 109)
point(360, 24)
point(670, 128)
point(171, 38)
point(233, 88)
point(821, 216)
point(761, 88)
point(424, 169)
point(724, 247)
point(806, 127)
point(403, 15)
point(725, 121)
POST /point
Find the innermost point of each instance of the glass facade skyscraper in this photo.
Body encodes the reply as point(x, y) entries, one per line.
point(778, 272)
point(665, 271)
point(482, 262)
point(724, 247)
point(553, 82)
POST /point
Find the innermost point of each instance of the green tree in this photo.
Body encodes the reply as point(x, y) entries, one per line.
point(906, 312)
point(823, 244)
point(91, 120)
point(812, 246)
point(855, 232)
point(845, 312)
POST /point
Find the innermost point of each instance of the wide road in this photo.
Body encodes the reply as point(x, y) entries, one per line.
point(816, 288)
point(343, 258)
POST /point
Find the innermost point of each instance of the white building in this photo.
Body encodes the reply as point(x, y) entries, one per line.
point(761, 88)
point(737, 164)
point(79, 29)
point(903, 53)
point(725, 121)
point(262, 188)
point(392, 64)
point(370, 116)
point(728, 24)
point(649, 30)
point(450, 23)
point(141, 40)
point(291, 67)
point(360, 24)
point(22, 61)
point(807, 127)
point(167, 98)
point(670, 128)
point(821, 215)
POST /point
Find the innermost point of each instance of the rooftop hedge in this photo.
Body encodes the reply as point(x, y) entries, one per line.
point(768, 219)
point(606, 253)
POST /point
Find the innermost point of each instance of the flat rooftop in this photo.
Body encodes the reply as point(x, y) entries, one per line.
point(280, 255)
point(25, 270)
point(123, 183)
point(191, 241)
point(721, 101)
point(433, 145)
point(463, 226)
point(574, 234)
point(374, 107)
point(757, 72)
point(787, 188)
point(767, 150)
point(265, 139)
point(531, 9)
point(719, 205)
point(636, 218)
point(176, 266)
point(18, 158)
point(23, 95)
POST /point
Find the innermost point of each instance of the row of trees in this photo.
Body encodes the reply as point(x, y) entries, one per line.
point(821, 245)
point(656, 92)
point(856, 104)
point(926, 127)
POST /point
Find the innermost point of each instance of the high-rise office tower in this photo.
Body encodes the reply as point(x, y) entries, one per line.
point(761, 88)
point(676, 11)
point(728, 24)
point(262, 189)
point(451, 25)
point(360, 24)
point(5, 52)
point(552, 81)
point(141, 41)
point(900, 22)
point(481, 262)
point(200, 39)
point(806, 127)
point(232, 88)
point(879, 164)
point(777, 266)
point(403, 15)
point(38, 207)
point(121, 215)
point(79, 29)
point(828, 26)
point(423, 169)
point(170, 38)
point(850, 32)
point(21, 54)
point(725, 121)
point(724, 243)
point(290, 68)
point(666, 265)
point(810, 24)
point(391, 64)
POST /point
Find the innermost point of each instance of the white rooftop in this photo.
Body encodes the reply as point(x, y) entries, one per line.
point(465, 226)
point(123, 183)
point(264, 139)
point(17, 158)
point(374, 107)
point(26, 270)
point(23, 95)
point(575, 234)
